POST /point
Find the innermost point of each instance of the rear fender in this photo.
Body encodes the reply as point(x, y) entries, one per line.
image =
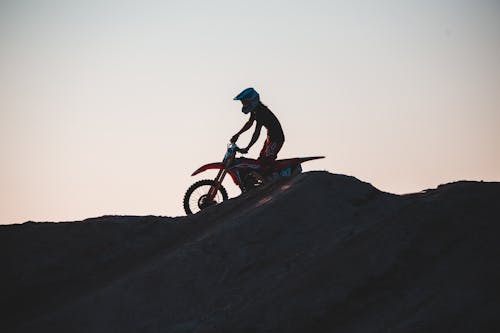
point(216, 166)
point(290, 162)
point(305, 159)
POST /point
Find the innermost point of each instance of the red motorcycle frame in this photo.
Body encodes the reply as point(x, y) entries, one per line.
point(246, 173)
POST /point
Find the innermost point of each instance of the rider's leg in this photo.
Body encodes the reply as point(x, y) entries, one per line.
point(269, 153)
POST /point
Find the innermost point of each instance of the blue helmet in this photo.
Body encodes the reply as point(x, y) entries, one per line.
point(248, 95)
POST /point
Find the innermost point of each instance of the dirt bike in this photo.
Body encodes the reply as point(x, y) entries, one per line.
point(246, 173)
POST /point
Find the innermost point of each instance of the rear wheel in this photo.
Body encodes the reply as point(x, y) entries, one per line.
point(196, 197)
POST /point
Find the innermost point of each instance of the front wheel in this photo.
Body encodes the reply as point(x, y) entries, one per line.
point(196, 197)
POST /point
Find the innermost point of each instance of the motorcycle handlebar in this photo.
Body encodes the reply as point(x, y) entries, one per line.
point(235, 147)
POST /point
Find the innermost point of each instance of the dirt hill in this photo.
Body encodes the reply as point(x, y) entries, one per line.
point(317, 253)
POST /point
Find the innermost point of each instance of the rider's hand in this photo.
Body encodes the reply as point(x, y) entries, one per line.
point(243, 150)
point(234, 138)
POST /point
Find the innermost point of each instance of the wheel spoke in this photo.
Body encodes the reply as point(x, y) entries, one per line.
point(197, 194)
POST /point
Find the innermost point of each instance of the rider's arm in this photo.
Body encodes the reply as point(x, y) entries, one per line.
point(255, 136)
point(246, 127)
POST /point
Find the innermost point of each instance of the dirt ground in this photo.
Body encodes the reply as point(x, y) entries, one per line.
point(317, 253)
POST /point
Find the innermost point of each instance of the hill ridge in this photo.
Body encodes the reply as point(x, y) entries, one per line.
point(316, 252)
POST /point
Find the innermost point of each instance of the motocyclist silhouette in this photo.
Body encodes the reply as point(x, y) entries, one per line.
point(265, 118)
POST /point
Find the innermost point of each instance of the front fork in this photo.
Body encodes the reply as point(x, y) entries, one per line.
point(217, 183)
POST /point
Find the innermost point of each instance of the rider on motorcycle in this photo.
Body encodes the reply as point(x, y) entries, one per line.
point(264, 117)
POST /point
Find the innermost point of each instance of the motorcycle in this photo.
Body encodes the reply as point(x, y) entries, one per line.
point(246, 173)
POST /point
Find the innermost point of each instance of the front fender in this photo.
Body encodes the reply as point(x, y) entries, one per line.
point(208, 166)
point(216, 165)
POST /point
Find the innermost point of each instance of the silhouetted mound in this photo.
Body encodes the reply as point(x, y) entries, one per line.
point(317, 253)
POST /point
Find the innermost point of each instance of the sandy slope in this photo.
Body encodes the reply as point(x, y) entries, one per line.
point(321, 252)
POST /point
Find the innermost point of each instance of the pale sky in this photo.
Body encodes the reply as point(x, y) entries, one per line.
point(107, 107)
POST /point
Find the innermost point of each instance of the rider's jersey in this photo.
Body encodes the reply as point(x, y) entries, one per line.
point(266, 118)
